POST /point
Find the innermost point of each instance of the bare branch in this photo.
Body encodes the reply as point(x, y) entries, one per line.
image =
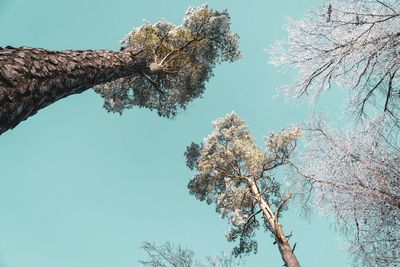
point(353, 44)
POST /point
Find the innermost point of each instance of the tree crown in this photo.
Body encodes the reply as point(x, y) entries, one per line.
point(354, 175)
point(169, 255)
point(180, 60)
point(353, 44)
point(225, 161)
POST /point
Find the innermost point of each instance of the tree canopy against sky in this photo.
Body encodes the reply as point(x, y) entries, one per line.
point(160, 66)
point(233, 173)
point(72, 178)
point(353, 174)
point(354, 177)
point(354, 44)
point(168, 255)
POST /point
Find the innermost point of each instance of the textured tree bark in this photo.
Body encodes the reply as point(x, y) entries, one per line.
point(286, 251)
point(33, 78)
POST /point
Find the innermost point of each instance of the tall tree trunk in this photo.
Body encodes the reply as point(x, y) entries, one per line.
point(286, 251)
point(33, 78)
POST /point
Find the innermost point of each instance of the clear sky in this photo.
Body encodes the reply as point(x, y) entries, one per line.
point(80, 187)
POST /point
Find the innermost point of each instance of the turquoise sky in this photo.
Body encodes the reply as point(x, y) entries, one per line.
point(83, 188)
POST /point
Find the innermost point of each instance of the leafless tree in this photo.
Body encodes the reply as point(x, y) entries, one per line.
point(168, 255)
point(354, 176)
point(353, 43)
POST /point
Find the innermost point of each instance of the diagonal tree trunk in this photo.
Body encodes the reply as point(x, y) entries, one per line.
point(287, 254)
point(286, 251)
point(33, 78)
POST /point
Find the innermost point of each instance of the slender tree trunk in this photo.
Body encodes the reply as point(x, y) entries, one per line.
point(33, 78)
point(286, 251)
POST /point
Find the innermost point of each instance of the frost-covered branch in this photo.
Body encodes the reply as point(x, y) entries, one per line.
point(168, 255)
point(352, 43)
point(355, 176)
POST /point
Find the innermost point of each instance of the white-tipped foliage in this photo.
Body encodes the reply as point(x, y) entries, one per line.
point(355, 177)
point(227, 163)
point(175, 256)
point(353, 43)
point(180, 60)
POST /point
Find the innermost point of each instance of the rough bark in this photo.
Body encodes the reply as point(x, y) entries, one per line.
point(33, 78)
point(286, 251)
